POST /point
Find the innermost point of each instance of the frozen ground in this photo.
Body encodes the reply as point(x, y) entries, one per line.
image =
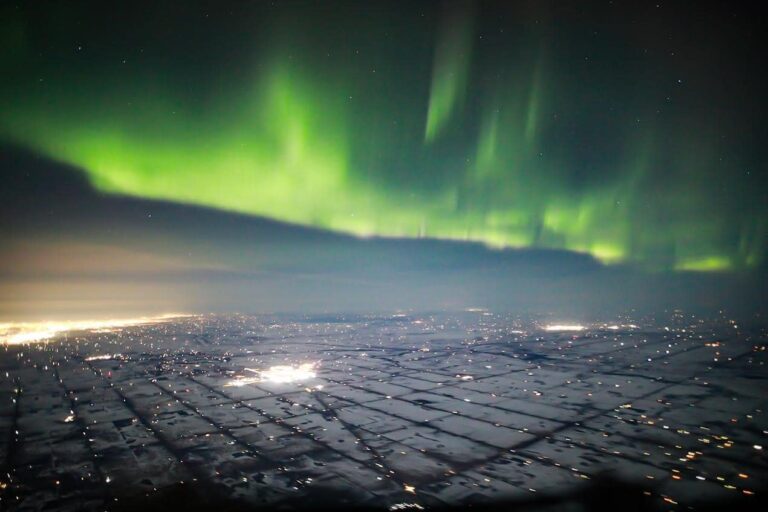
point(379, 411)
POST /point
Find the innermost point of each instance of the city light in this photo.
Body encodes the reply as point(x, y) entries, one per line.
point(564, 327)
point(18, 333)
point(280, 374)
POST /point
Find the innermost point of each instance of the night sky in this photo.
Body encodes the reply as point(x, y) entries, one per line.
point(575, 157)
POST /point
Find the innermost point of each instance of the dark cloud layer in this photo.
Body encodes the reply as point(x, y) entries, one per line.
point(70, 251)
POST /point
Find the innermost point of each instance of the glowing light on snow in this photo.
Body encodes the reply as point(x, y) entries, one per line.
point(103, 357)
point(241, 381)
point(18, 333)
point(406, 506)
point(616, 327)
point(564, 327)
point(281, 374)
point(284, 374)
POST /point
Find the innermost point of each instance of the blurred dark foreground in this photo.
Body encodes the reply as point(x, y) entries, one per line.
point(603, 494)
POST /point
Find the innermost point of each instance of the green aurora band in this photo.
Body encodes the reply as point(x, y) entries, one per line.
point(450, 72)
point(459, 143)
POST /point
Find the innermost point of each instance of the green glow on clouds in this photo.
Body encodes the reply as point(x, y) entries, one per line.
point(287, 142)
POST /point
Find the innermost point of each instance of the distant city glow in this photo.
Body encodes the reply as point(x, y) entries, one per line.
point(615, 327)
point(564, 327)
point(17, 333)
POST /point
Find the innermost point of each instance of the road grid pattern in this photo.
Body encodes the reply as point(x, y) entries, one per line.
point(421, 410)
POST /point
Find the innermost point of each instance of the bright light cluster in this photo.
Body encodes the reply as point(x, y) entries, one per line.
point(284, 374)
point(281, 374)
point(564, 327)
point(18, 333)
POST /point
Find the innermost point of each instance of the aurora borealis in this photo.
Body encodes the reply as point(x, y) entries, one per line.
point(514, 125)
point(390, 254)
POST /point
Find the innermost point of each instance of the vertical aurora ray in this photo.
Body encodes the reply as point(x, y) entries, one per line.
point(451, 67)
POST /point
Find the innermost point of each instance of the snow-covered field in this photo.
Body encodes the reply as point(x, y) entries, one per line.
point(422, 410)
